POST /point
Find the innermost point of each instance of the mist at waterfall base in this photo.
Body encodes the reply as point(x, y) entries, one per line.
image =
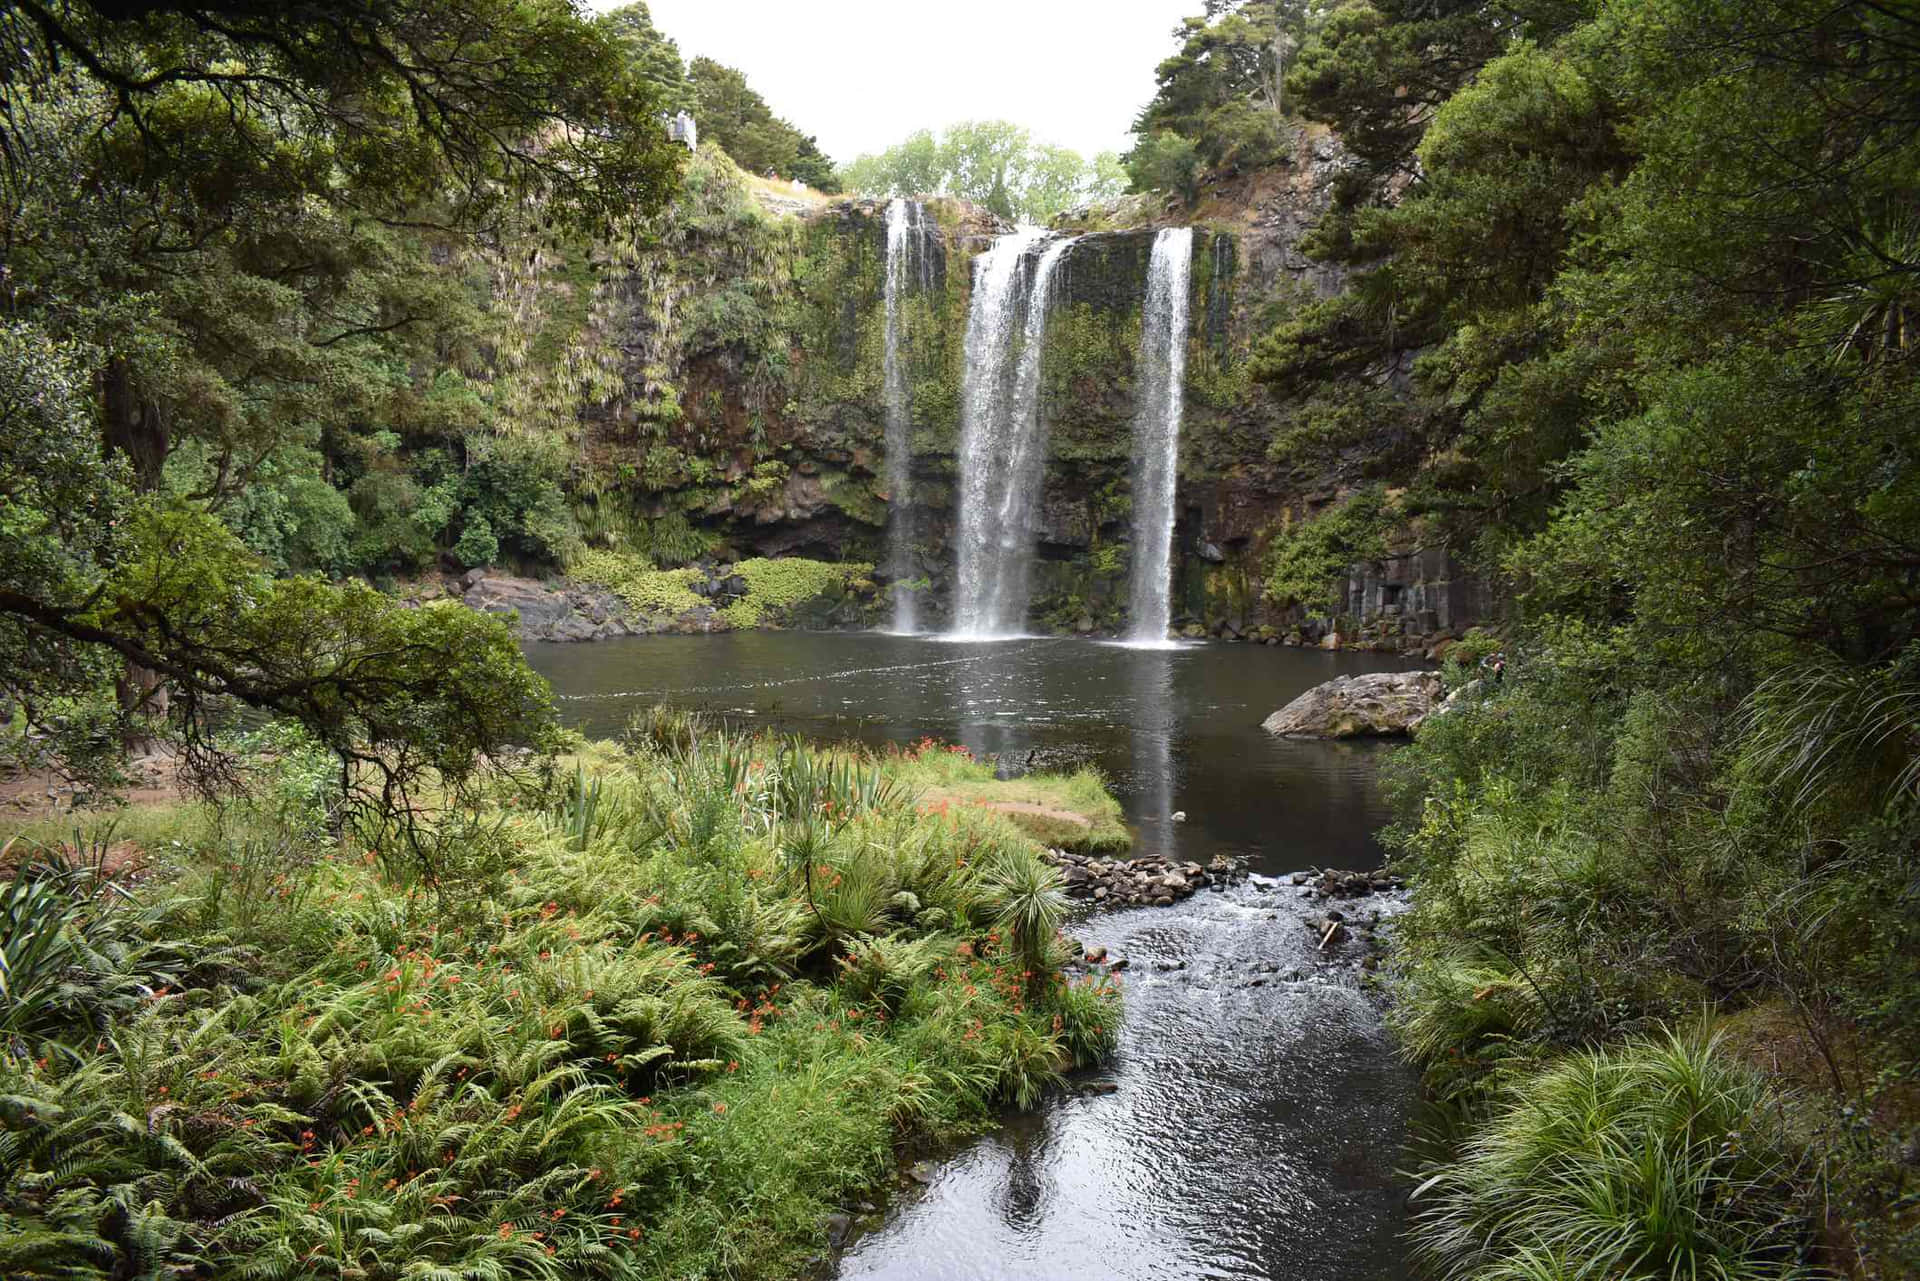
point(1259, 1112)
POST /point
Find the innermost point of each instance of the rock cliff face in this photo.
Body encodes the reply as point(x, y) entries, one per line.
point(751, 417)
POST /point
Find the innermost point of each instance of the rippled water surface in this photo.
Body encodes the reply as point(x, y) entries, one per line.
point(1258, 1113)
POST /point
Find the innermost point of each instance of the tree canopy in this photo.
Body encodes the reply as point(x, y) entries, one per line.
point(733, 114)
point(227, 230)
point(992, 163)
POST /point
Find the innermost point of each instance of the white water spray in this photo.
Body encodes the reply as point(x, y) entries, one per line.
point(1161, 380)
point(1002, 433)
point(907, 257)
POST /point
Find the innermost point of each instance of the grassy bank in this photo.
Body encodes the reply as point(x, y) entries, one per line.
point(1066, 811)
point(669, 1006)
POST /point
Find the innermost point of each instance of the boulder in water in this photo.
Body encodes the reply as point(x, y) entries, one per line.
point(1377, 704)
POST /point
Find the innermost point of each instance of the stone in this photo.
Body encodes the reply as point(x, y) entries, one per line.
point(1375, 705)
point(540, 608)
point(1095, 955)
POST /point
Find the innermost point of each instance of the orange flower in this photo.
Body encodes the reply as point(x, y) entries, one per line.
point(719, 1107)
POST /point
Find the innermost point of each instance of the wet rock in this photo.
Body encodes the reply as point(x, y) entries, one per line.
point(540, 608)
point(1096, 955)
point(1377, 704)
point(921, 1172)
point(838, 1226)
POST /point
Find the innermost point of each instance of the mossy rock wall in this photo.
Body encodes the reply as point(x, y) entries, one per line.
point(753, 421)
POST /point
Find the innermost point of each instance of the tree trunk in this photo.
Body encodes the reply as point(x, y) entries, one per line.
point(133, 426)
point(143, 706)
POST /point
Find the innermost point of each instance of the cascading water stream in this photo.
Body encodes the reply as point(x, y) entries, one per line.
point(1156, 432)
point(1002, 433)
point(906, 258)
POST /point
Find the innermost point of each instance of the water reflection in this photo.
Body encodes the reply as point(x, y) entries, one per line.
point(1153, 727)
point(1026, 1190)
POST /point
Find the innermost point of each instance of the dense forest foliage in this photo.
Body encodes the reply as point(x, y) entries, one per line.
point(314, 275)
point(1630, 319)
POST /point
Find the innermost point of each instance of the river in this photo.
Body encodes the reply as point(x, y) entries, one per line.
point(1257, 1112)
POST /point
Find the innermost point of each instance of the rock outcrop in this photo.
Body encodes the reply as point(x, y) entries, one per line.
point(1379, 704)
point(548, 612)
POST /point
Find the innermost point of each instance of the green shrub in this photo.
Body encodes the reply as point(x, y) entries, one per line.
point(1650, 1161)
point(476, 545)
point(659, 592)
point(775, 586)
point(1165, 161)
point(1309, 565)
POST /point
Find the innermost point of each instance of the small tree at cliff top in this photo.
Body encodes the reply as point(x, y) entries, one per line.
point(992, 163)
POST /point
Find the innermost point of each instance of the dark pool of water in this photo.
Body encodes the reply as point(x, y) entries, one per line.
point(1259, 1113)
point(1174, 730)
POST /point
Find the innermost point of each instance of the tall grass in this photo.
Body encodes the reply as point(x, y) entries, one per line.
point(1652, 1159)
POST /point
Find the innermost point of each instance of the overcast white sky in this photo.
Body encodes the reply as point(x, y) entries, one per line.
point(862, 74)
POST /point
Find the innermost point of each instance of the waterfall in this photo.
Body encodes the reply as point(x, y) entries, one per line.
point(1002, 433)
point(907, 259)
point(1161, 380)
